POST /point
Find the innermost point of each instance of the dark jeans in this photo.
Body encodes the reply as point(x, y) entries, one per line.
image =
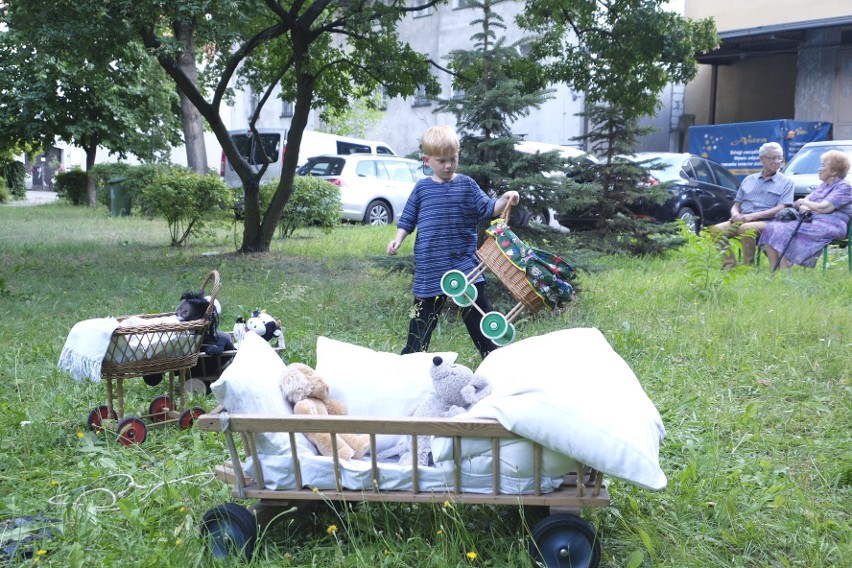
point(423, 324)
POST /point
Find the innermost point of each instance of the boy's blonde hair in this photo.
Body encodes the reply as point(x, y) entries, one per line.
point(440, 141)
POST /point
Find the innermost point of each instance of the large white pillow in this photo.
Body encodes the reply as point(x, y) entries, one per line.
point(375, 383)
point(571, 392)
point(250, 385)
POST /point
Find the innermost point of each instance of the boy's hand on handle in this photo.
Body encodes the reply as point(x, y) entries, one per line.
point(513, 197)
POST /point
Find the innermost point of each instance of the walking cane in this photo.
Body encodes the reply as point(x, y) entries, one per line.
point(805, 217)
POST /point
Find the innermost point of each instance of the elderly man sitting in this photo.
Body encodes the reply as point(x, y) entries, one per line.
point(759, 198)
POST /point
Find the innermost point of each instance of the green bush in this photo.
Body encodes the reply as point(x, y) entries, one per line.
point(187, 200)
point(4, 191)
point(14, 171)
point(313, 203)
point(72, 186)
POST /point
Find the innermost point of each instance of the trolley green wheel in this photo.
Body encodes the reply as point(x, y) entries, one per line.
point(494, 325)
point(468, 298)
point(507, 338)
point(453, 283)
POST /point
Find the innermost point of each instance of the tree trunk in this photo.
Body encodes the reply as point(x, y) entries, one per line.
point(91, 150)
point(193, 126)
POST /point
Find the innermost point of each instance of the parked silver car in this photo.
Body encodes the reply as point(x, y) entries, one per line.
point(373, 188)
point(804, 166)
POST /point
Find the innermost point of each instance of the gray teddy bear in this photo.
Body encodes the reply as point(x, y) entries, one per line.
point(457, 388)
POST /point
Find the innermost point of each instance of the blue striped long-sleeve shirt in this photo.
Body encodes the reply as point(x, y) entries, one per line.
point(446, 216)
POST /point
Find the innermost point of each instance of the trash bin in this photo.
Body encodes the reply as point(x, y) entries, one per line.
point(119, 197)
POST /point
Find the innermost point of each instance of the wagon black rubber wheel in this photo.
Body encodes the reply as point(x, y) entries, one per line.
point(131, 431)
point(189, 416)
point(97, 416)
point(231, 531)
point(159, 408)
point(565, 541)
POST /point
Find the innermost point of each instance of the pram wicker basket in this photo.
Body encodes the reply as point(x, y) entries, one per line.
point(143, 349)
point(513, 278)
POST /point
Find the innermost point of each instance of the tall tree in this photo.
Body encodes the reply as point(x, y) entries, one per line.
point(98, 92)
point(621, 54)
point(320, 53)
point(492, 87)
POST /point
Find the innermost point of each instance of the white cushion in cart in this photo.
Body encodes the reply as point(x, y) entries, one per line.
point(571, 392)
point(375, 383)
point(250, 385)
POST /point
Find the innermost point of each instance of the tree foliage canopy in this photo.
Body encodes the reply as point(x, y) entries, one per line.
point(618, 52)
point(67, 74)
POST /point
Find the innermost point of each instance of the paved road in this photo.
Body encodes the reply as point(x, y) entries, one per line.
point(35, 198)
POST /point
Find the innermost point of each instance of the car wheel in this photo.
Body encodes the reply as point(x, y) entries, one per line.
point(542, 217)
point(690, 218)
point(378, 213)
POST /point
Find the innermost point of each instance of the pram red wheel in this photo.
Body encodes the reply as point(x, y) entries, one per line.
point(96, 417)
point(159, 408)
point(453, 283)
point(494, 325)
point(188, 417)
point(507, 337)
point(564, 540)
point(131, 431)
point(231, 531)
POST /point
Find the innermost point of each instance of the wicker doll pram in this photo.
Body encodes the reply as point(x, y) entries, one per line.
point(495, 326)
point(148, 348)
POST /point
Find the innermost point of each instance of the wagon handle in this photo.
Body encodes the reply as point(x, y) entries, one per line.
point(214, 275)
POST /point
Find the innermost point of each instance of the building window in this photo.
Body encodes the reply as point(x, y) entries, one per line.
point(287, 109)
point(458, 94)
point(425, 11)
point(524, 49)
point(254, 99)
point(462, 4)
point(421, 98)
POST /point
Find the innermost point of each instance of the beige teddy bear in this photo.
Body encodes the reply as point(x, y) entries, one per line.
point(309, 394)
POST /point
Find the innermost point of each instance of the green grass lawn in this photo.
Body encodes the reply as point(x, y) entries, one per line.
point(751, 375)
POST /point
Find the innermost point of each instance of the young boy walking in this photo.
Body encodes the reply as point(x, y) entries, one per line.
point(446, 209)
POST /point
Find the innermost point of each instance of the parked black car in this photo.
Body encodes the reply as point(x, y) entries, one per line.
point(702, 191)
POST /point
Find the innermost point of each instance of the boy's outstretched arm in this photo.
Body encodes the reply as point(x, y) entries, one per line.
point(510, 197)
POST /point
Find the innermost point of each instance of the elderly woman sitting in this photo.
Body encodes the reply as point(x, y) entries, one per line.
point(830, 205)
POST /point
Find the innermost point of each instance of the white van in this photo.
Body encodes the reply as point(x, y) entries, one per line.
point(274, 143)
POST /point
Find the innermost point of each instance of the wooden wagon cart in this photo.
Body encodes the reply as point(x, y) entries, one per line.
point(561, 539)
point(149, 344)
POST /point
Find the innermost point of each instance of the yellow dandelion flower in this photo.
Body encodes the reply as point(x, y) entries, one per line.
point(440, 532)
point(316, 489)
point(471, 555)
point(80, 434)
point(54, 482)
point(41, 552)
point(386, 552)
point(183, 509)
point(178, 542)
point(331, 529)
point(446, 503)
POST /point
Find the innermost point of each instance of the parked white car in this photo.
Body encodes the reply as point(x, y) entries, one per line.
point(373, 188)
point(803, 167)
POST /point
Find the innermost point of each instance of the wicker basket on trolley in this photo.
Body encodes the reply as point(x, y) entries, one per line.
point(156, 347)
point(513, 278)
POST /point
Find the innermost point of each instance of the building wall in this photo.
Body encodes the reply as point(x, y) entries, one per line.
point(743, 14)
point(824, 86)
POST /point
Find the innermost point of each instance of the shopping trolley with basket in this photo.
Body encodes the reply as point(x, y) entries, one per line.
point(537, 279)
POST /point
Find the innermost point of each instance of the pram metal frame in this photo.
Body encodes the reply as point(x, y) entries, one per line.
point(588, 489)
